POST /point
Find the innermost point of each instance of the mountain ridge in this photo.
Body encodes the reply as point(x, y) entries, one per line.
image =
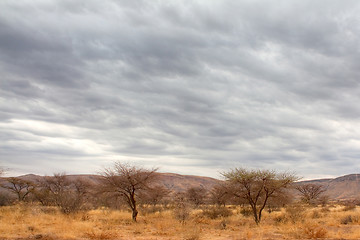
point(346, 187)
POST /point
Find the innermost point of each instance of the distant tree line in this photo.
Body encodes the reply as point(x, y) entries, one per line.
point(137, 189)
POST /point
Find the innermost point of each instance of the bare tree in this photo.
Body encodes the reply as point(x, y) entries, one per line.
point(279, 200)
point(61, 191)
point(258, 186)
point(155, 195)
point(310, 192)
point(196, 195)
point(182, 208)
point(127, 181)
point(22, 188)
point(220, 194)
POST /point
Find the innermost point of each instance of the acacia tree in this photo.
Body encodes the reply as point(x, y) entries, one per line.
point(220, 194)
point(68, 194)
point(196, 195)
point(155, 195)
point(22, 188)
point(127, 181)
point(310, 192)
point(258, 186)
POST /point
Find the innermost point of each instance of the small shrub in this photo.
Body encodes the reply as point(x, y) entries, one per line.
point(295, 213)
point(325, 210)
point(246, 212)
point(49, 210)
point(192, 234)
point(280, 218)
point(346, 220)
point(216, 212)
point(85, 217)
point(44, 237)
point(349, 207)
point(315, 214)
point(223, 224)
point(271, 209)
point(181, 212)
point(315, 231)
point(100, 235)
point(145, 210)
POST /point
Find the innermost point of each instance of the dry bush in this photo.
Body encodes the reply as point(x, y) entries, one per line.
point(349, 219)
point(49, 210)
point(216, 212)
point(280, 218)
point(196, 195)
point(325, 209)
point(43, 237)
point(100, 234)
point(59, 190)
point(316, 214)
point(191, 233)
point(146, 210)
point(181, 213)
point(295, 213)
point(223, 224)
point(246, 212)
point(137, 229)
point(346, 220)
point(349, 206)
point(164, 226)
point(314, 231)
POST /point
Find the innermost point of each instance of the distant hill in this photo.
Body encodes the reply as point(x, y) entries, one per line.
point(179, 183)
point(172, 181)
point(341, 188)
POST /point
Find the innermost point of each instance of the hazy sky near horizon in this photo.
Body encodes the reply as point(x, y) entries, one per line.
point(192, 87)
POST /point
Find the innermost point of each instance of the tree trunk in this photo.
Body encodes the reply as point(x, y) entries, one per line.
point(256, 218)
point(263, 206)
point(133, 206)
point(134, 214)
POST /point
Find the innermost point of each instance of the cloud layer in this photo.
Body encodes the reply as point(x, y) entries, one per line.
point(193, 87)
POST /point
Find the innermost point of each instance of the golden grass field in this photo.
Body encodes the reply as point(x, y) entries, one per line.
point(28, 221)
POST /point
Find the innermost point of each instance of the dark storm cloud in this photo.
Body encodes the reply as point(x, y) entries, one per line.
point(201, 85)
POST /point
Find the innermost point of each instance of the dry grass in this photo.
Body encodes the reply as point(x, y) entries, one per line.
point(296, 222)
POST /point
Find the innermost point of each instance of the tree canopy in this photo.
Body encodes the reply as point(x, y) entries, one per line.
point(126, 181)
point(258, 186)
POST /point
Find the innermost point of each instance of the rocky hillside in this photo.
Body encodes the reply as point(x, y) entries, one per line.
point(341, 188)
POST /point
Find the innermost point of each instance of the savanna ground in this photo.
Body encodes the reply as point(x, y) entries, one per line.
point(26, 221)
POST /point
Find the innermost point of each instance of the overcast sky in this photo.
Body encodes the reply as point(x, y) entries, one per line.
point(192, 87)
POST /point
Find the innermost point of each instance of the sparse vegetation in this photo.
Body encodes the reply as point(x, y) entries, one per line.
point(60, 207)
point(181, 210)
point(217, 212)
point(33, 221)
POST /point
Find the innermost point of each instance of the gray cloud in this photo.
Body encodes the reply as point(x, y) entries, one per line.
point(195, 88)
